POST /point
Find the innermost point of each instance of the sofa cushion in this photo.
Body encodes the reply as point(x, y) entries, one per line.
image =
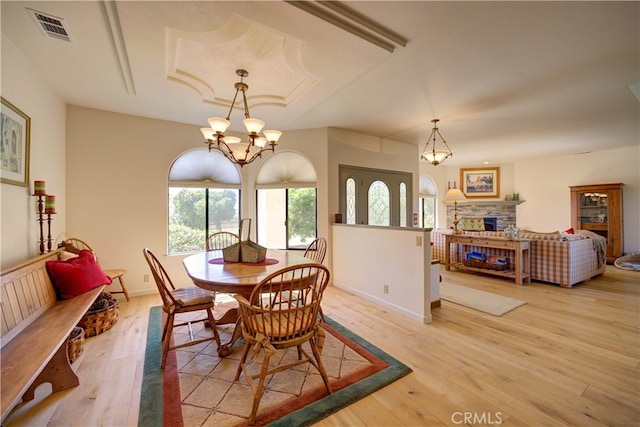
point(472, 224)
point(76, 276)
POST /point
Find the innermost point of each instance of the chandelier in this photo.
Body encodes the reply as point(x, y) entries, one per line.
point(240, 153)
point(431, 155)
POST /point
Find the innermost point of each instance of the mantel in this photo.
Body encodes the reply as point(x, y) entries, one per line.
point(488, 202)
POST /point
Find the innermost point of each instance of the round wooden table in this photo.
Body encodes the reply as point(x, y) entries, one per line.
point(209, 271)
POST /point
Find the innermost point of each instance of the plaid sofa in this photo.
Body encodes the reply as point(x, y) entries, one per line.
point(560, 258)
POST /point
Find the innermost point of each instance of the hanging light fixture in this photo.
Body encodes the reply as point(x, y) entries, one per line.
point(241, 153)
point(431, 155)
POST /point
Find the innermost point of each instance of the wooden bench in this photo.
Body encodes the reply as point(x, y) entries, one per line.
point(35, 326)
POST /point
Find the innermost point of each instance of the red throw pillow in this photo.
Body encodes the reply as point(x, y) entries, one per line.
point(569, 231)
point(76, 276)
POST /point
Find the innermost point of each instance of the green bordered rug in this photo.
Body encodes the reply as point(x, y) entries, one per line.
point(161, 405)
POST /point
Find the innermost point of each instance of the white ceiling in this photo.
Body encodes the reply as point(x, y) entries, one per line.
point(508, 80)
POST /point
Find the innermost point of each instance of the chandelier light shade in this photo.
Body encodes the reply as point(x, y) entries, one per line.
point(455, 195)
point(234, 149)
point(431, 155)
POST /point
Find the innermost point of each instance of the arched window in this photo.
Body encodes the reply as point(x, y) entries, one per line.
point(351, 201)
point(286, 201)
point(204, 197)
point(403, 204)
point(427, 199)
point(378, 203)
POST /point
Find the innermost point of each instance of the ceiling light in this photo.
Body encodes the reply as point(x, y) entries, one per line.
point(431, 155)
point(240, 153)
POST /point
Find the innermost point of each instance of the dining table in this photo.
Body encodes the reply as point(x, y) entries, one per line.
point(208, 270)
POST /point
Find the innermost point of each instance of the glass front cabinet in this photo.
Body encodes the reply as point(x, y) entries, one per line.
point(598, 208)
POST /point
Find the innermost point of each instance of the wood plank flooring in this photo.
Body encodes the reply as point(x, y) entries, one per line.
point(569, 357)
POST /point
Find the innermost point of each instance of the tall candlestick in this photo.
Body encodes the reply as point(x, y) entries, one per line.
point(50, 204)
point(49, 239)
point(38, 188)
point(41, 221)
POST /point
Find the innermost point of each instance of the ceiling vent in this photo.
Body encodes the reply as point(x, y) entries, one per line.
point(52, 26)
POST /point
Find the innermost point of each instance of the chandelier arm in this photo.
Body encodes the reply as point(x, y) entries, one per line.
point(234, 103)
point(434, 133)
point(229, 154)
point(445, 143)
point(426, 145)
point(259, 153)
point(246, 107)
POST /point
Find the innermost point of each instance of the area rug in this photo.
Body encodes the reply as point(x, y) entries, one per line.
point(489, 303)
point(197, 387)
point(629, 262)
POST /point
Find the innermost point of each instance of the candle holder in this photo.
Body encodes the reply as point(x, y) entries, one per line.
point(40, 212)
point(49, 209)
point(49, 239)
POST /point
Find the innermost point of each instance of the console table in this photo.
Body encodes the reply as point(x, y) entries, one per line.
point(522, 265)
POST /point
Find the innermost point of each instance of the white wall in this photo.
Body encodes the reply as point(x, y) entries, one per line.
point(354, 149)
point(117, 184)
point(26, 88)
point(111, 187)
point(545, 187)
point(368, 258)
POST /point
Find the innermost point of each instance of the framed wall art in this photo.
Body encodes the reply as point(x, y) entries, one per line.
point(480, 182)
point(15, 131)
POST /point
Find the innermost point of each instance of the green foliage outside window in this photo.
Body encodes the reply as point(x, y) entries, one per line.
point(187, 222)
point(302, 213)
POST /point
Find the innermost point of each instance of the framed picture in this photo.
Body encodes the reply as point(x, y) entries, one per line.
point(480, 182)
point(15, 131)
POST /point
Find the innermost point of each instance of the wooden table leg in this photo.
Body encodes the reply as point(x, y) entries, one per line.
point(518, 265)
point(447, 254)
point(227, 348)
point(58, 372)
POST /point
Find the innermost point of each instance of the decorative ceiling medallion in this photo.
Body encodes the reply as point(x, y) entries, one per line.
point(206, 62)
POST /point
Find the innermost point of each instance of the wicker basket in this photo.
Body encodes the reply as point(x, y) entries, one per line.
point(75, 344)
point(246, 250)
point(482, 264)
point(102, 315)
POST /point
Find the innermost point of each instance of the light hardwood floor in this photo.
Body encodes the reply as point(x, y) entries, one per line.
point(567, 357)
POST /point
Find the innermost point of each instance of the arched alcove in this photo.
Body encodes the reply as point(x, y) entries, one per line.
point(200, 164)
point(286, 169)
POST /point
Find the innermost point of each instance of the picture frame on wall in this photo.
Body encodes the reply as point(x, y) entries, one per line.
point(480, 182)
point(15, 134)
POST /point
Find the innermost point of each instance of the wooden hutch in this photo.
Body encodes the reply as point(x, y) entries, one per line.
point(598, 208)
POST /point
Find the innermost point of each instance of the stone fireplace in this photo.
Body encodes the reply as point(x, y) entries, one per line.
point(497, 214)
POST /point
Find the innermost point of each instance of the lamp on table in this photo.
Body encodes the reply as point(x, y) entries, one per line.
point(455, 195)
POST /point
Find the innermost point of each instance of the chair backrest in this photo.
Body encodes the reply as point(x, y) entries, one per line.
point(75, 245)
point(287, 302)
point(160, 276)
point(221, 240)
point(317, 250)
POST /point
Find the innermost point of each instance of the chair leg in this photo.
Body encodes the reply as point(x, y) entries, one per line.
point(259, 389)
point(214, 326)
point(323, 372)
point(124, 288)
point(243, 360)
point(166, 339)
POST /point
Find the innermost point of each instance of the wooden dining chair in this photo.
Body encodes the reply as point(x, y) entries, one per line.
point(316, 250)
point(177, 301)
point(221, 239)
point(75, 245)
point(271, 327)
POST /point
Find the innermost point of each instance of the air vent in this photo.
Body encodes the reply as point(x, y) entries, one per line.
point(52, 26)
